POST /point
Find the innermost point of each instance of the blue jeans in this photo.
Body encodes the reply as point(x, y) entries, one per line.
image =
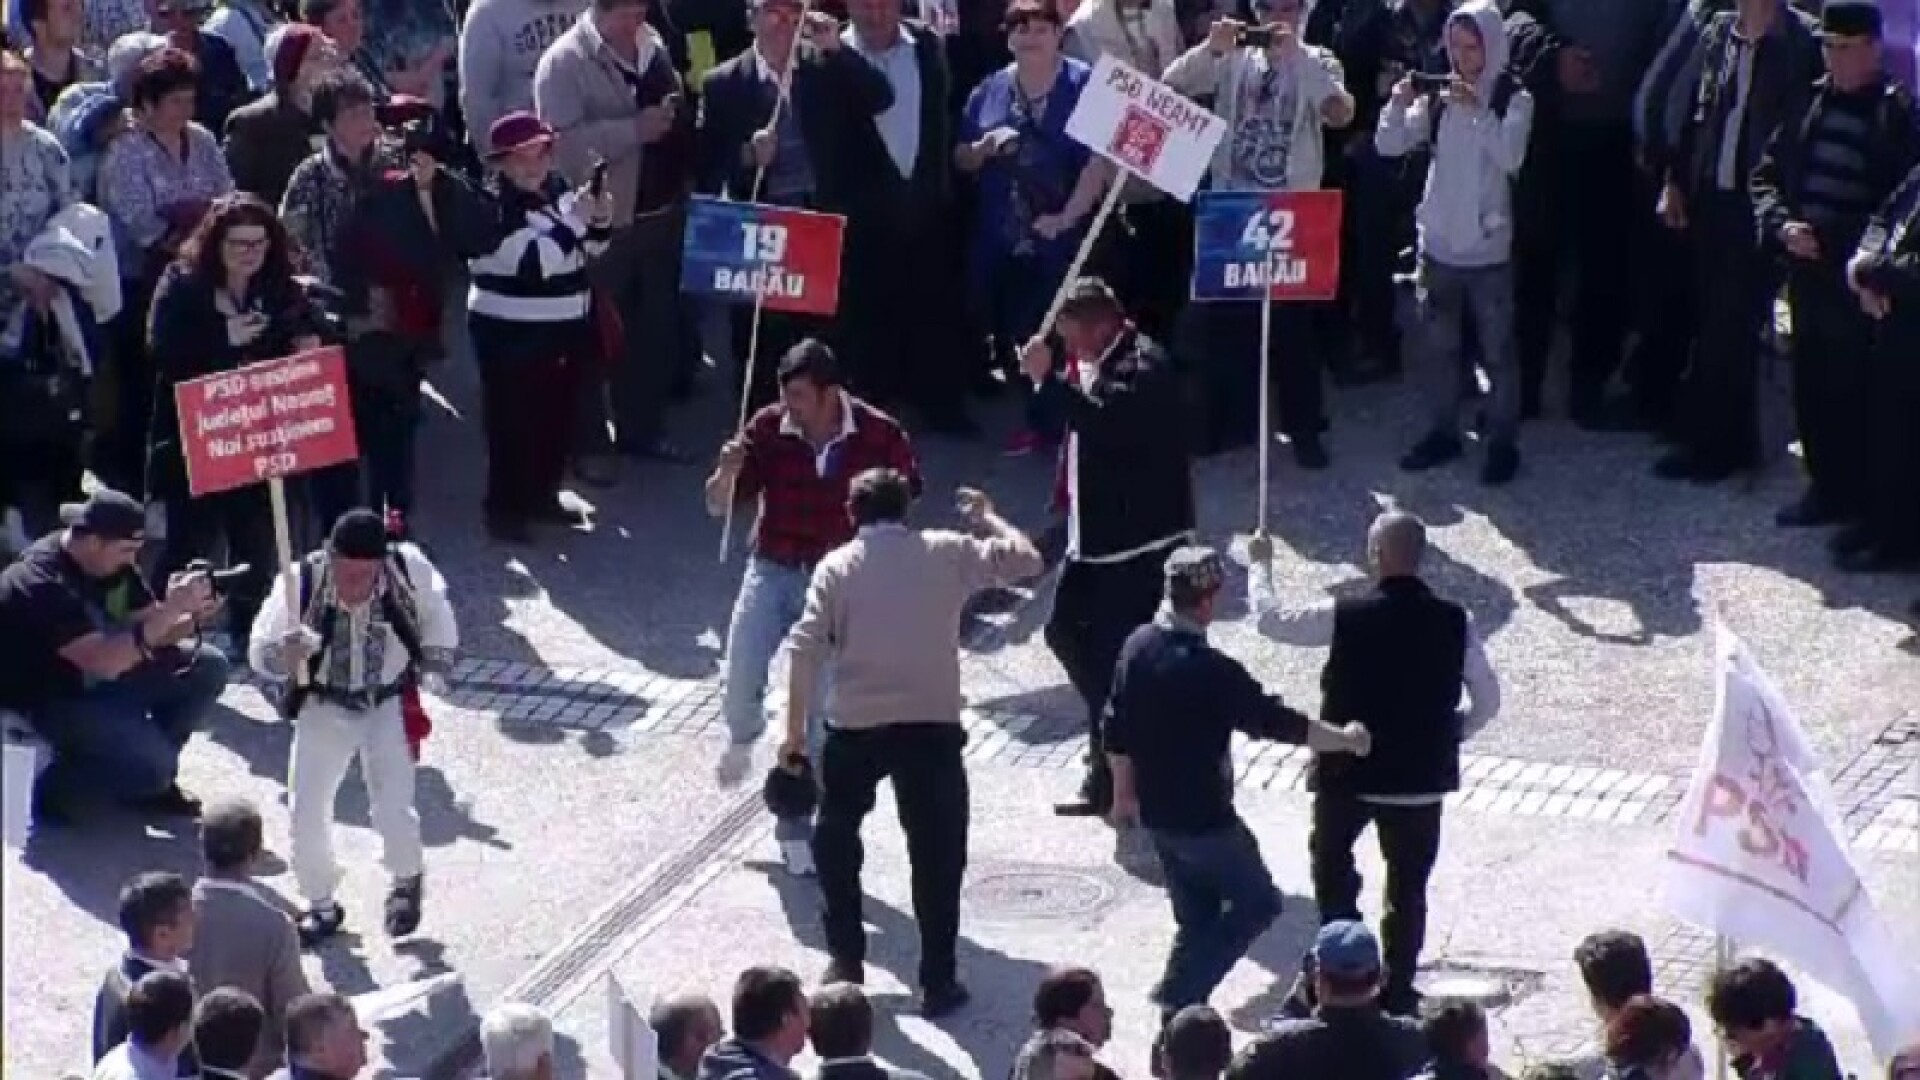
point(771, 599)
point(124, 737)
point(1223, 900)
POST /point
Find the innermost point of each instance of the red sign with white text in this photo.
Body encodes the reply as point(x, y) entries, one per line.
point(274, 418)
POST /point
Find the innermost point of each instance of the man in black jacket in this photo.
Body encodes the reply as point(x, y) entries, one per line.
point(1397, 661)
point(1820, 180)
point(1758, 64)
point(1130, 496)
point(1348, 1037)
point(1170, 721)
point(1885, 276)
point(801, 160)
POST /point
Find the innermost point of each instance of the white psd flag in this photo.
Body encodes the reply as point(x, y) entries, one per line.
point(1757, 856)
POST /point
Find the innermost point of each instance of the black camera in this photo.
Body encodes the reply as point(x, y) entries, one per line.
point(220, 580)
point(1256, 37)
point(1430, 84)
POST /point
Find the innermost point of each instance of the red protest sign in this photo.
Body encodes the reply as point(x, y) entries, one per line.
point(266, 420)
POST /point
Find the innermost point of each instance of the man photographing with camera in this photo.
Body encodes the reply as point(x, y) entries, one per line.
point(112, 677)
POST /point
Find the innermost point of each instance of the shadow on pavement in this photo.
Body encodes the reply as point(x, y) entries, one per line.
point(91, 859)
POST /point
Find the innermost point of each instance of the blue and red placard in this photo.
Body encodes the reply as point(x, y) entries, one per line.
point(735, 250)
point(1288, 241)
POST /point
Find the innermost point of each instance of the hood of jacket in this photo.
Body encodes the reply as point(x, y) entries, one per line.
point(1484, 17)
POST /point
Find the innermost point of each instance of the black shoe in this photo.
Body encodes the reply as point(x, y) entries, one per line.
point(1677, 465)
point(1851, 539)
point(1809, 511)
point(1310, 453)
point(1431, 452)
point(172, 802)
point(844, 971)
point(51, 809)
point(1706, 474)
point(403, 906)
point(1079, 806)
point(508, 530)
point(1876, 559)
point(1502, 464)
point(319, 924)
point(597, 471)
point(1403, 1002)
point(559, 514)
point(939, 1001)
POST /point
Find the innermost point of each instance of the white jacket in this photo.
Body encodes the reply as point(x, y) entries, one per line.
point(1096, 30)
point(1466, 216)
point(1316, 77)
point(76, 248)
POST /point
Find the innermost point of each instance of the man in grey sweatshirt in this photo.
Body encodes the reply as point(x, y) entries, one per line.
point(500, 46)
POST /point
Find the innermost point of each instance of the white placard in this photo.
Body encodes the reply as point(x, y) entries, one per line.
point(1757, 857)
point(1146, 127)
point(16, 815)
point(635, 1045)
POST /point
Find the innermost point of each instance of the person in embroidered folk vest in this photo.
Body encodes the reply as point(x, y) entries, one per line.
point(373, 617)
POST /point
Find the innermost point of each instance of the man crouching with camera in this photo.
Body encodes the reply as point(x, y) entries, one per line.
point(378, 221)
point(112, 677)
point(373, 619)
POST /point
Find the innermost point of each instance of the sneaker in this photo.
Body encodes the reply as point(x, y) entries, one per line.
point(561, 514)
point(798, 855)
point(173, 802)
point(1503, 462)
point(403, 906)
point(1431, 453)
point(939, 1001)
point(319, 923)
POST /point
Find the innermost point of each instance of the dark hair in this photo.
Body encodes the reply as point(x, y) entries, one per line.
point(163, 72)
point(337, 91)
point(315, 12)
point(1021, 12)
point(810, 360)
point(33, 11)
point(1750, 994)
point(310, 1017)
point(1646, 1031)
point(1615, 966)
point(841, 1024)
point(1349, 983)
point(1198, 1044)
point(763, 998)
point(231, 835)
point(1452, 1029)
point(150, 901)
point(158, 1005)
point(201, 253)
point(673, 1022)
point(1551, 1070)
point(879, 496)
point(612, 5)
point(226, 1028)
point(1062, 993)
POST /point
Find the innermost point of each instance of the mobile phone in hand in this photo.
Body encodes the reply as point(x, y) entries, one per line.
point(1430, 84)
point(1256, 37)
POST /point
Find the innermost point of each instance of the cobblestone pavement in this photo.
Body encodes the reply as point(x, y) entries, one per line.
point(575, 826)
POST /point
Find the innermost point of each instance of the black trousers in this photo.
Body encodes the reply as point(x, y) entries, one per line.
point(1409, 843)
point(1594, 172)
point(1893, 500)
point(901, 335)
point(1665, 315)
point(1735, 283)
point(1229, 373)
point(1832, 392)
point(1095, 607)
point(930, 793)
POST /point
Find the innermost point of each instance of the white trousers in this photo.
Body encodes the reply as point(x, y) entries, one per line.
point(326, 738)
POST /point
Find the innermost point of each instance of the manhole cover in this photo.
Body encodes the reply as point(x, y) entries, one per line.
point(1488, 987)
point(1037, 894)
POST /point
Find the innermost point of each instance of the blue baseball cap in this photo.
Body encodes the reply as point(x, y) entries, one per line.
point(1347, 948)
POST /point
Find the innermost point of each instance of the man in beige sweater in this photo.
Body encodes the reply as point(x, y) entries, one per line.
point(884, 609)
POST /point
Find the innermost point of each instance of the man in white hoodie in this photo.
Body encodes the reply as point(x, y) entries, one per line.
point(1477, 125)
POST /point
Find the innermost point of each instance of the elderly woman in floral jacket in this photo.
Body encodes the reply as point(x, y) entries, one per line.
point(377, 226)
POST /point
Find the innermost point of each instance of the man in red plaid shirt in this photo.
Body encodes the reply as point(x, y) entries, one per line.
point(797, 457)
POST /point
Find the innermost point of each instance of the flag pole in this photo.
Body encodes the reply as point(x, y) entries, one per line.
point(1114, 185)
point(760, 295)
point(1722, 960)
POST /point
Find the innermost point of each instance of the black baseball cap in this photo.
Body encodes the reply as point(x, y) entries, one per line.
point(107, 514)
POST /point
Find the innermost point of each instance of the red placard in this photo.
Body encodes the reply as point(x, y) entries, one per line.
point(265, 420)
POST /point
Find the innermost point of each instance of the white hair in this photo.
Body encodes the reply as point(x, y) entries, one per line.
point(516, 1037)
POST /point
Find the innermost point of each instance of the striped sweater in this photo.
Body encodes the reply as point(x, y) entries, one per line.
point(538, 274)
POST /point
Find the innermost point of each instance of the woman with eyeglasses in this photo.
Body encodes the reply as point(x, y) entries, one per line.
point(229, 300)
point(1037, 186)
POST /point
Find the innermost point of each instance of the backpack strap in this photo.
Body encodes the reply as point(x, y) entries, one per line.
point(400, 613)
